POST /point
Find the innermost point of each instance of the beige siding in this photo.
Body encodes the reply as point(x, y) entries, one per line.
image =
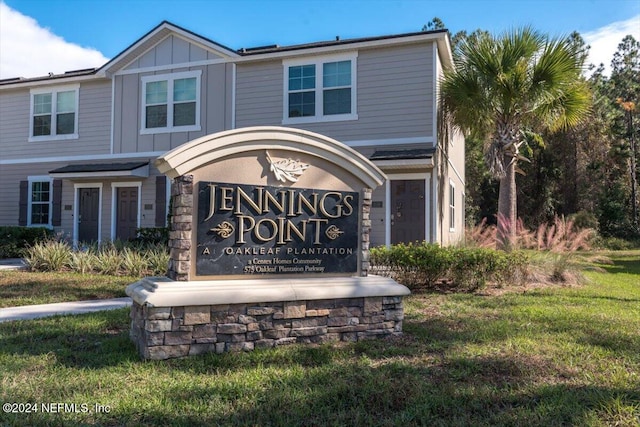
point(215, 110)
point(94, 119)
point(14, 123)
point(10, 177)
point(94, 122)
point(215, 99)
point(455, 174)
point(377, 236)
point(394, 95)
point(171, 50)
point(259, 94)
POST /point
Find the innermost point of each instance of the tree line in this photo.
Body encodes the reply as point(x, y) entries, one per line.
point(587, 168)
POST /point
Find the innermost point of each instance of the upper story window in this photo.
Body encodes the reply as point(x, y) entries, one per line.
point(171, 102)
point(320, 89)
point(54, 113)
point(40, 198)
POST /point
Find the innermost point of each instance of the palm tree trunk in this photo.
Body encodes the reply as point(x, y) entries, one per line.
point(507, 206)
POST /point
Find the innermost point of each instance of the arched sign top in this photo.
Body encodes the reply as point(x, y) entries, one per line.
point(202, 151)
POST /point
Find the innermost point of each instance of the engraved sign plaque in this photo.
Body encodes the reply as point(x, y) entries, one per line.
point(265, 230)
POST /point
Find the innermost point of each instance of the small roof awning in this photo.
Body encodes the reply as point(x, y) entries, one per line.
point(103, 170)
point(418, 158)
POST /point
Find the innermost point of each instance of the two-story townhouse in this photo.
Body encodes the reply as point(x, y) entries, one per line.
point(77, 149)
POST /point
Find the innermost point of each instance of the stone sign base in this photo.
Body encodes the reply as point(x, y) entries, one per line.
point(241, 315)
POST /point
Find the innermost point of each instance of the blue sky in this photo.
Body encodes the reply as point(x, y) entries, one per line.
point(95, 30)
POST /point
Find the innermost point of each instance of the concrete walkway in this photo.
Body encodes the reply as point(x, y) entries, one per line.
point(28, 312)
point(12, 264)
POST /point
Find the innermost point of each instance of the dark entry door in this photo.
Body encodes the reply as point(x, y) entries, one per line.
point(127, 213)
point(88, 214)
point(407, 211)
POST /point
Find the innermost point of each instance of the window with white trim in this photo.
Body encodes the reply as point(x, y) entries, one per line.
point(320, 89)
point(40, 201)
point(54, 113)
point(452, 207)
point(171, 102)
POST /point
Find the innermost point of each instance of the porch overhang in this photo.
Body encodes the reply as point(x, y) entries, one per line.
point(403, 159)
point(102, 170)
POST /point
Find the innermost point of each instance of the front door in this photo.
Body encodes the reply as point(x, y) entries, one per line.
point(88, 214)
point(127, 213)
point(407, 211)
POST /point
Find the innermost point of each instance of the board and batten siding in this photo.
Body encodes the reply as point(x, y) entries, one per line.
point(215, 110)
point(172, 50)
point(94, 124)
point(394, 95)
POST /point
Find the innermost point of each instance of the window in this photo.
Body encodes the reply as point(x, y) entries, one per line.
point(320, 89)
point(171, 103)
point(40, 197)
point(54, 113)
point(452, 207)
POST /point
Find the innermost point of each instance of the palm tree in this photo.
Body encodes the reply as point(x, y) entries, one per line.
point(503, 87)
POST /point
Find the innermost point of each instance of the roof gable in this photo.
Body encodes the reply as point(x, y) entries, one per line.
point(167, 38)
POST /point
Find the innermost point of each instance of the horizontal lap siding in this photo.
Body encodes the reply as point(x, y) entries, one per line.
point(94, 120)
point(259, 94)
point(394, 89)
point(14, 123)
point(10, 177)
point(94, 125)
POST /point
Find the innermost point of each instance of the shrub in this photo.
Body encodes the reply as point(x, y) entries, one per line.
point(51, 255)
point(556, 267)
point(134, 263)
point(412, 264)
point(153, 236)
point(108, 261)
point(83, 261)
point(615, 243)
point(15, 240)
point(426, 265)
point(158, 260)
point(110, 258)
point(584, 219)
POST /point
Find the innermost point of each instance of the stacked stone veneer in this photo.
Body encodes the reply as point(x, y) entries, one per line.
point(181, 228)
point(365, 222)
point(169, 332)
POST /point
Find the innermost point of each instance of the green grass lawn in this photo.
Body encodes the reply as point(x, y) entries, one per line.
point(555, 356)
point(19, 288)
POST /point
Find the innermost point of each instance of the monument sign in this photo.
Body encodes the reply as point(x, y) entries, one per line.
point(269, 245)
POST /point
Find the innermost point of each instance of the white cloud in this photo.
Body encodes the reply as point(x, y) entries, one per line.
point(28, 50)
point(604, 41)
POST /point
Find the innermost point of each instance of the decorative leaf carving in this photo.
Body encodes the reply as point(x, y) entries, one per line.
point(224, 229)
point(333, 232)
point(286, 170)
